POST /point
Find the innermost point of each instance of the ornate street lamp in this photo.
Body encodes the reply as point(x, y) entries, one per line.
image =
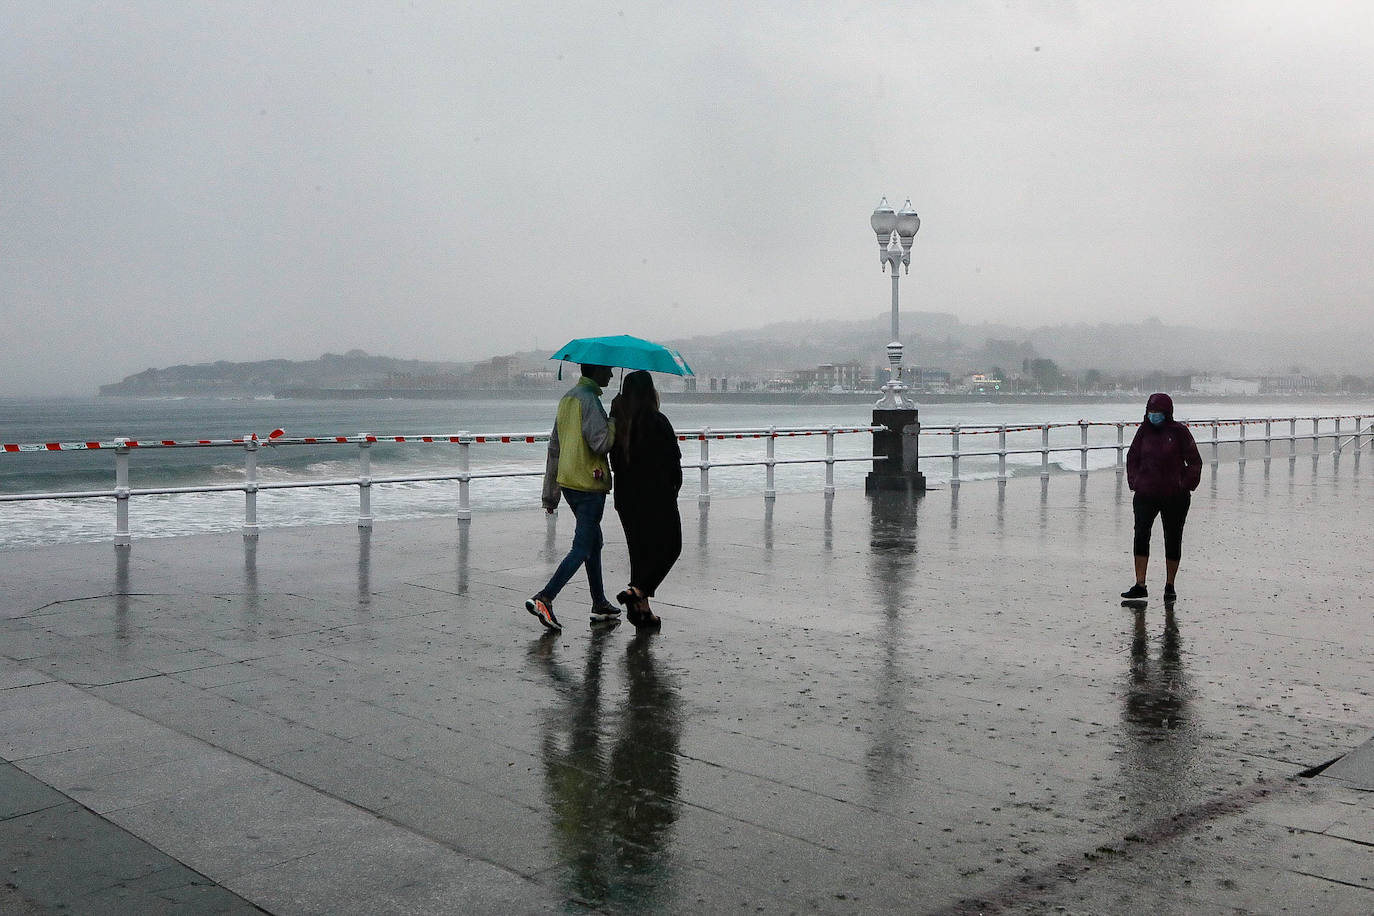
point(896, 445)
point(896, 230)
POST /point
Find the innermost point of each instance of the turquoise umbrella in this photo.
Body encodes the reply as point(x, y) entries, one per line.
point(624, 352)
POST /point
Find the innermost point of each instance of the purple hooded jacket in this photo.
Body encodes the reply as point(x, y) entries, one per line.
point(1163, 460)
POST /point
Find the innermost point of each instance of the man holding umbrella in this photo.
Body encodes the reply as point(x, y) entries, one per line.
point(577, 468)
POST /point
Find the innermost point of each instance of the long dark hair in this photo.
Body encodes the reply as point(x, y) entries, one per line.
point(638, 405)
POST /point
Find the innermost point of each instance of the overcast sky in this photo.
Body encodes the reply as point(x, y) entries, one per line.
point(190, 181)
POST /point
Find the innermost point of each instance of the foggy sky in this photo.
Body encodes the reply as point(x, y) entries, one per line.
point(192, 181)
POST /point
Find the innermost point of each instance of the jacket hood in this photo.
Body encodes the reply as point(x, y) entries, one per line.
point(1161, 402)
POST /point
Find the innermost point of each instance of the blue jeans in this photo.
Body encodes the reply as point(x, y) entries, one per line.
point(586, 546)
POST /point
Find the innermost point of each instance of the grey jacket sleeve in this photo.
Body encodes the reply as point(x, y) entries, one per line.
point(597, 431)
point(550, 495)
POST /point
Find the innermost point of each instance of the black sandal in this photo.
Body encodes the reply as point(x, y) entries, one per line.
point(641, 617)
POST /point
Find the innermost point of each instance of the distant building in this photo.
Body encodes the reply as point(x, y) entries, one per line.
point(427, 381)
point(1158, 381)
point(1289, 384)
point(979, 383)
point(928, 379)
point(497, 372)
point(1215, 385)
point(537, 378)
point(844, 376)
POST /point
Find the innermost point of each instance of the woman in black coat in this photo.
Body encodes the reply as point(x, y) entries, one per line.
point(1163, 468)
point(646, 466)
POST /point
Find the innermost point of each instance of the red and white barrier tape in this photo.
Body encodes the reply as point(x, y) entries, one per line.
point(778, 434)
point(136, 443)
point(277, 436)
point(994, 430)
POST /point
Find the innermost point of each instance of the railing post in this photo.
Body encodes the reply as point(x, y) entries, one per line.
point(1338, 435)
point(1002, 453)
point(1216, 429)
point(769, 490)
point(1268, 439)
point(1120, 448)
point(954, 456)
point(1292, 437)
point(1045, 451)
point(364, 482)
point(122, 537)
point(250, 486)
point(1241, 445)
point(704, 497)
point(830, 461)
point(1316, 435)
point(464, 481)
point(1083, 463)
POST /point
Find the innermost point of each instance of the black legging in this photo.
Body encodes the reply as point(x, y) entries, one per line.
point(1173, 512)
point(653, 535)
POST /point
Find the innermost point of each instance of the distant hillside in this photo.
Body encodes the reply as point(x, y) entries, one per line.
point(933, 341)
point(941, 341)
point(354, 369)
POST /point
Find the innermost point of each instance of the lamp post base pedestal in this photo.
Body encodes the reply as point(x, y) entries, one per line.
point(910, 484)
point(896, 451)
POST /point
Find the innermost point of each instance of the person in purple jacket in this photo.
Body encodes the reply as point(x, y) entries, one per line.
point(1163, 468)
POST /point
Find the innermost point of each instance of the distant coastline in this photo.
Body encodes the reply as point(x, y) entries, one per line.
point(677, 397)
point(773, 397)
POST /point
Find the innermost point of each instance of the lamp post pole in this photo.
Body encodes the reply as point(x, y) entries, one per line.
point(896, 230)
point(895, 450)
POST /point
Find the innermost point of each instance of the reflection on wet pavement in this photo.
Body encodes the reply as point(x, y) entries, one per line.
point(611, 774)
point(892, 565)
point(1161, 734)
point(364, 568)
point(464, 533)
point(252, 609)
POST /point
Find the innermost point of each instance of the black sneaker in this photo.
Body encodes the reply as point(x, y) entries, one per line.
point(542, 608)
point(603, 612)
point(1170, 594)
point(1136, 593)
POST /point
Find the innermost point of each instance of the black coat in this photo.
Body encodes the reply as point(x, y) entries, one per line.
point(1163, 461)
point(647, 469)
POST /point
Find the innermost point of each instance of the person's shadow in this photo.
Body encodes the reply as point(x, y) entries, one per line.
point(611, 775)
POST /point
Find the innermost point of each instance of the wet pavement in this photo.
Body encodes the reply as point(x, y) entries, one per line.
point(854, 706)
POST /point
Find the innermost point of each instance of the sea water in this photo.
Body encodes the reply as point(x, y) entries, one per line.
point(29, 421)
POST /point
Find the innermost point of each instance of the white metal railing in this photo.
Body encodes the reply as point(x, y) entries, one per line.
point(1082, 444)
point(1046, 440)
point(251, 485)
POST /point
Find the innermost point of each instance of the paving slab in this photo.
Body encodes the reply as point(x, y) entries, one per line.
point(59, 856)
point(1357, 767)
point(856, 705)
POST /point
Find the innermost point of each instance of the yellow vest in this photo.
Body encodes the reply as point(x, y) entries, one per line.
point(578, 446)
